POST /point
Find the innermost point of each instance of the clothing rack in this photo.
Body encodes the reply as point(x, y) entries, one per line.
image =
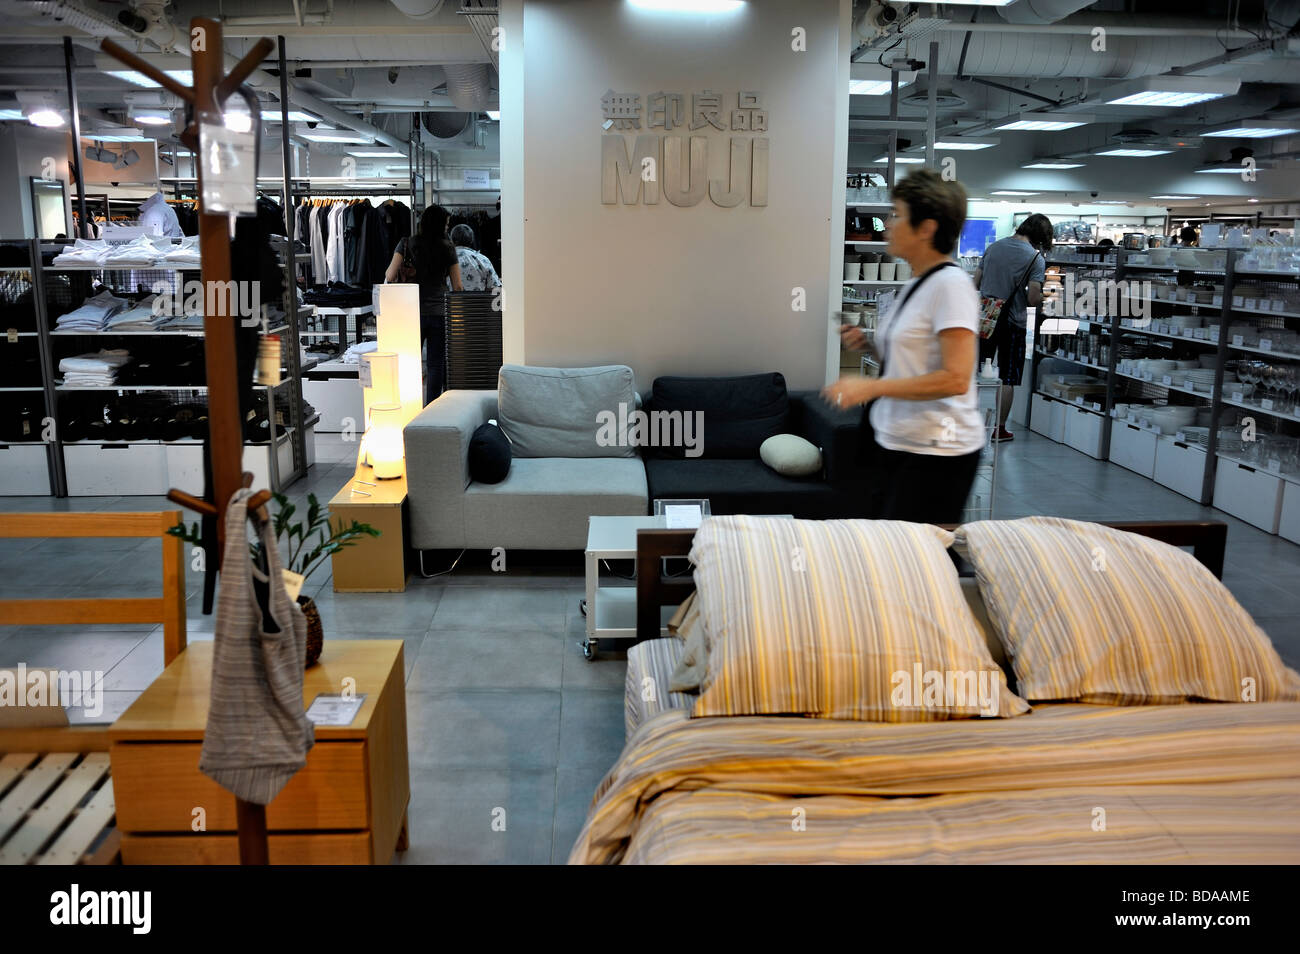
point(212, 87)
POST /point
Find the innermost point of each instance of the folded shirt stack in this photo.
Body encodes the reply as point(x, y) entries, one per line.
point(97, 369)
point(138, 317)
point(83, 252)
point(354, 353)
point(136, 253)
point(187, 253)
point(93, 314)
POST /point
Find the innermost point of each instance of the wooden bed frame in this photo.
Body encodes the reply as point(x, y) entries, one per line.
point(56, 796)
point(1207, 538)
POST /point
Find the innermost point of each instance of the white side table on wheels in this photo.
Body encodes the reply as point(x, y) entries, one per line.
point(611, 610)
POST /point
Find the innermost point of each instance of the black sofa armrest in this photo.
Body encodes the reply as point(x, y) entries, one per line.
point(839, 434)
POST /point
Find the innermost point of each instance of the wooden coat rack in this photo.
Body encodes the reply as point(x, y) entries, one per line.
point(212, 87)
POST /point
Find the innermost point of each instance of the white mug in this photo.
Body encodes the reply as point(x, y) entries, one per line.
point(852, 270)
point(903, 272)
point(887, 270)
point(870, 271)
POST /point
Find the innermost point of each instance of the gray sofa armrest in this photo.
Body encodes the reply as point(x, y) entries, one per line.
point(437, 465)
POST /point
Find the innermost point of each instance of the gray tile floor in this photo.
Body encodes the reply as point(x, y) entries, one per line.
point(507, 721)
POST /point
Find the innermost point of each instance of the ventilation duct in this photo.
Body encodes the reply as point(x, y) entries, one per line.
point(445, 125)
point(75, 16)
point(1041, 11)
point(483, 21)
point(469, 86)
point(418, 9)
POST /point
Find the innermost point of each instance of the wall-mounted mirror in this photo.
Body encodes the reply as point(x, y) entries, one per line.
point(49, 208)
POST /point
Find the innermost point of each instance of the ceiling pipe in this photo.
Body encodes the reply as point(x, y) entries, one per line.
point(1041, 11)
point(469, 85)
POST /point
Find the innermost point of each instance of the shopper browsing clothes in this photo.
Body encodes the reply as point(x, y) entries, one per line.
point(1013, 269)
point(924, 406)
point(476, 271)
point(429, 259)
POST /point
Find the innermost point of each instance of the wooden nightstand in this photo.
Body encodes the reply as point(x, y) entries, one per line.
point(373, 564)
point(346, 806)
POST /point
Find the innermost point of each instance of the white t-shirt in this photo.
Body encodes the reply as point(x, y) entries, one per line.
point(908, 339)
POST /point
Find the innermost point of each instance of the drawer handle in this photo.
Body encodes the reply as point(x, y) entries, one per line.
point(1249, 470)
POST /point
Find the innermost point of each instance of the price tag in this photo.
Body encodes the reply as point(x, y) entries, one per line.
point(1265, 344)
point(292, 583)
point(1274, 465)
point(1180, 436)
point(1238, 341)
point(1266, 404)
point(1096, 406)
point(13, 335)
point(1250, 304)
point(1078, 399)
point(1166, 380)
point(1236, 397)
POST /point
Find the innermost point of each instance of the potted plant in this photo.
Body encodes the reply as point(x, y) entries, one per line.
point(302, 554)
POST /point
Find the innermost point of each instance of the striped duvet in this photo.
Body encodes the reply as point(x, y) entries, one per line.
point(1196, 784)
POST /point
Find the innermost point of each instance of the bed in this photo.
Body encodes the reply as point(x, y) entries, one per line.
point(1066, 783)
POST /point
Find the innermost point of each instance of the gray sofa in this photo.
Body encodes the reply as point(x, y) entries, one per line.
point(559, 477)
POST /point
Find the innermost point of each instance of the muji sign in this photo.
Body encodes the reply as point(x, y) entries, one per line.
point(678, 166)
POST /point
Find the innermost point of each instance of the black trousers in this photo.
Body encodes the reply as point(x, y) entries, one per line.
point(920, 488)
point(433, 335)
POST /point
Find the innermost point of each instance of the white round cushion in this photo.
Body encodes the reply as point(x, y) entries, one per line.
point(791, 455)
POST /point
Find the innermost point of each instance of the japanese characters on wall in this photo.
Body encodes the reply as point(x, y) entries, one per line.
point(678, 165)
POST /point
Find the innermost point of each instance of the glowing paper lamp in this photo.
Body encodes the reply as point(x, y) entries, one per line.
point(399, 333)
point(384, 438)
point(378, 385)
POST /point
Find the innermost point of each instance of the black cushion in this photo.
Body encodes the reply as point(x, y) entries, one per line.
point(750, 486)
point(489, 455)
point(739, 412)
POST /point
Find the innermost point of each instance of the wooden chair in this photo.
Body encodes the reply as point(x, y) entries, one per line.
point(56, 797)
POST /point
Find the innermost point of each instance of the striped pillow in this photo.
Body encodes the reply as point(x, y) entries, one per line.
point(1099, 615)
point(839, 619)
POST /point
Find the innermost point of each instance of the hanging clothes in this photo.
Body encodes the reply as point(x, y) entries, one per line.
point(257, 734)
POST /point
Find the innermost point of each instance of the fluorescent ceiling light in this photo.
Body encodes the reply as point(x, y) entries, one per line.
point(494, 115)
point(873, 87)
point(376, 154)
point(1253, 129)
point(238, 121)
point(273, 115)
point(964, 144)
point(1110, 202)
point(351, 137)
point(1041, 122)
point(113, 137)
point(902, 160)
point(44, 117)
point(1011, 192)
point(1170, 91)
point(151, 117)
point(688, 6)
point(1227, 169)
point(1175, 197)
point(11, 114)
point(979, 3)
point(185, 77)
point(1134, 153)
point(1052, 164)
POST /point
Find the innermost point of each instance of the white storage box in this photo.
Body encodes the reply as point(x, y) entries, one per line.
point(1048, 418)
point(1180, 467)
point(24, 470)
point(1248, 494)
point(1019, 405)
point(257, 460)
point(1289, 524)
point(116, 470)
point(1083, 430)
point(185, 466)
point(1133, 447)
point(338, 400)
